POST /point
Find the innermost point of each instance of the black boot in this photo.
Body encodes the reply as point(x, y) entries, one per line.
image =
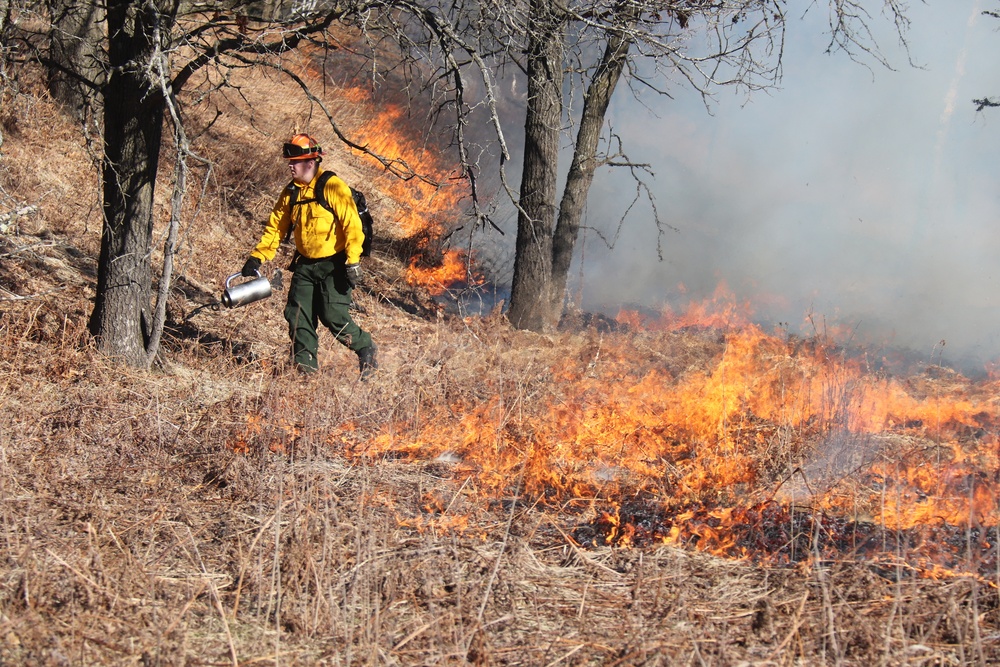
point(367, 362)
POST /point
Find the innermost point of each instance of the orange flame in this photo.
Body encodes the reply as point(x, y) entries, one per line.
point(721, 311)
point(278, 437)
point(755, 421)
point(454, 269)
point(428, 203)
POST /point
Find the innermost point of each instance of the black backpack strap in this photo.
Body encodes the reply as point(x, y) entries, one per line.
point(293, 194)
point(320, 191)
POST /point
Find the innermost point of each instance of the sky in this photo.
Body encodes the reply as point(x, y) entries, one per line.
point(851, 196)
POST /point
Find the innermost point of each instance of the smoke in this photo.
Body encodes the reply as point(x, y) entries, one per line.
point(952, 95)
point(856, 197)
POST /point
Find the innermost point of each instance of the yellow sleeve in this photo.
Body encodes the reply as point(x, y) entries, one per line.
point(275, 230)
point(338, 195)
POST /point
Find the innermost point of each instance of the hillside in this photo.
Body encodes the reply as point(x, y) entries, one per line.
point(690, 490)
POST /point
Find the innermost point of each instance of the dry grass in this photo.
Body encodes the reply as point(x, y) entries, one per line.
point(222, 510)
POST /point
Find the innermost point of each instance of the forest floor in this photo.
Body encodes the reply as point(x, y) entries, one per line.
point(492, 497)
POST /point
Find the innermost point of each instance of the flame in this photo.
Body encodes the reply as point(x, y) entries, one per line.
point(763, 443)
point(423, 195)
point(427, 206)
point(720, 311)
point(431, 194)
point(278, 437)
point(453, 269)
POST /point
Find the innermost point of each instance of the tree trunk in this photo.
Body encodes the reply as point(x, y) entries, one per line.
point(133, 124)
point(75, 70)
point(529, 307)
point(581, 172)
point(4, 24)
point(4, 21)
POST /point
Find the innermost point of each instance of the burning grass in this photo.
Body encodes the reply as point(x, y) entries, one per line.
point(221, 511)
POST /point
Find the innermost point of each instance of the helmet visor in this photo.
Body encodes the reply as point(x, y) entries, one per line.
point(291, 151)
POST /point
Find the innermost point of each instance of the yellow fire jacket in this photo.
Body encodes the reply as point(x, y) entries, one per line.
point(318, 232)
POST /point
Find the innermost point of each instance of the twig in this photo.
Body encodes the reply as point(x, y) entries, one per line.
point(18, 297)
point(50, 244)
point(565, 655)
point(184, 610)
point(253, 545)
point(406, 640)
point(499, 559)
point(799, 621)
point(216, 600)
point(82, 575)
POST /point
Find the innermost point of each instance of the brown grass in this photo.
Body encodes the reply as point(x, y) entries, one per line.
point(222, 510)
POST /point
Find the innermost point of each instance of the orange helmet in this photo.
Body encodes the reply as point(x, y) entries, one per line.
point(302, 147)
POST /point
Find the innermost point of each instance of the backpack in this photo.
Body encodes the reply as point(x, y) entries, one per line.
point(359, 201)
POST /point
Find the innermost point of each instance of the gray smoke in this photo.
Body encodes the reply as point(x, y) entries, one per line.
point(862, 197)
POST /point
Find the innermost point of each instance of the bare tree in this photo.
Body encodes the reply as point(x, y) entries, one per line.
point(560, 47)
point(699, 43)
point(146, 52)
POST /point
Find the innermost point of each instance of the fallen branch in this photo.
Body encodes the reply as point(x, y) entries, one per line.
point(37, 244)
point(18, 297)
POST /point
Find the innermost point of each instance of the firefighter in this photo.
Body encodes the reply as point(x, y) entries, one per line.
point(326, 267)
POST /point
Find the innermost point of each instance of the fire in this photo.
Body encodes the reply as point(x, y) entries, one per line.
point(429, 206)
point(418, 194)
point(428, 203)
point(278, 437)
point(430, 194)
point(768, 446)
point(720, 311)
point(454, 269)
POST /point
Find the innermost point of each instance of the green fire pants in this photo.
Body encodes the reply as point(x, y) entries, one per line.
point(320, 292)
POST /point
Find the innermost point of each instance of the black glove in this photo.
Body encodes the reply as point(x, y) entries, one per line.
point(353, 274)
point(250, 268)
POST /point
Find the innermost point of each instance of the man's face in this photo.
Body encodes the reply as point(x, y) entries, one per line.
point(303, 171)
